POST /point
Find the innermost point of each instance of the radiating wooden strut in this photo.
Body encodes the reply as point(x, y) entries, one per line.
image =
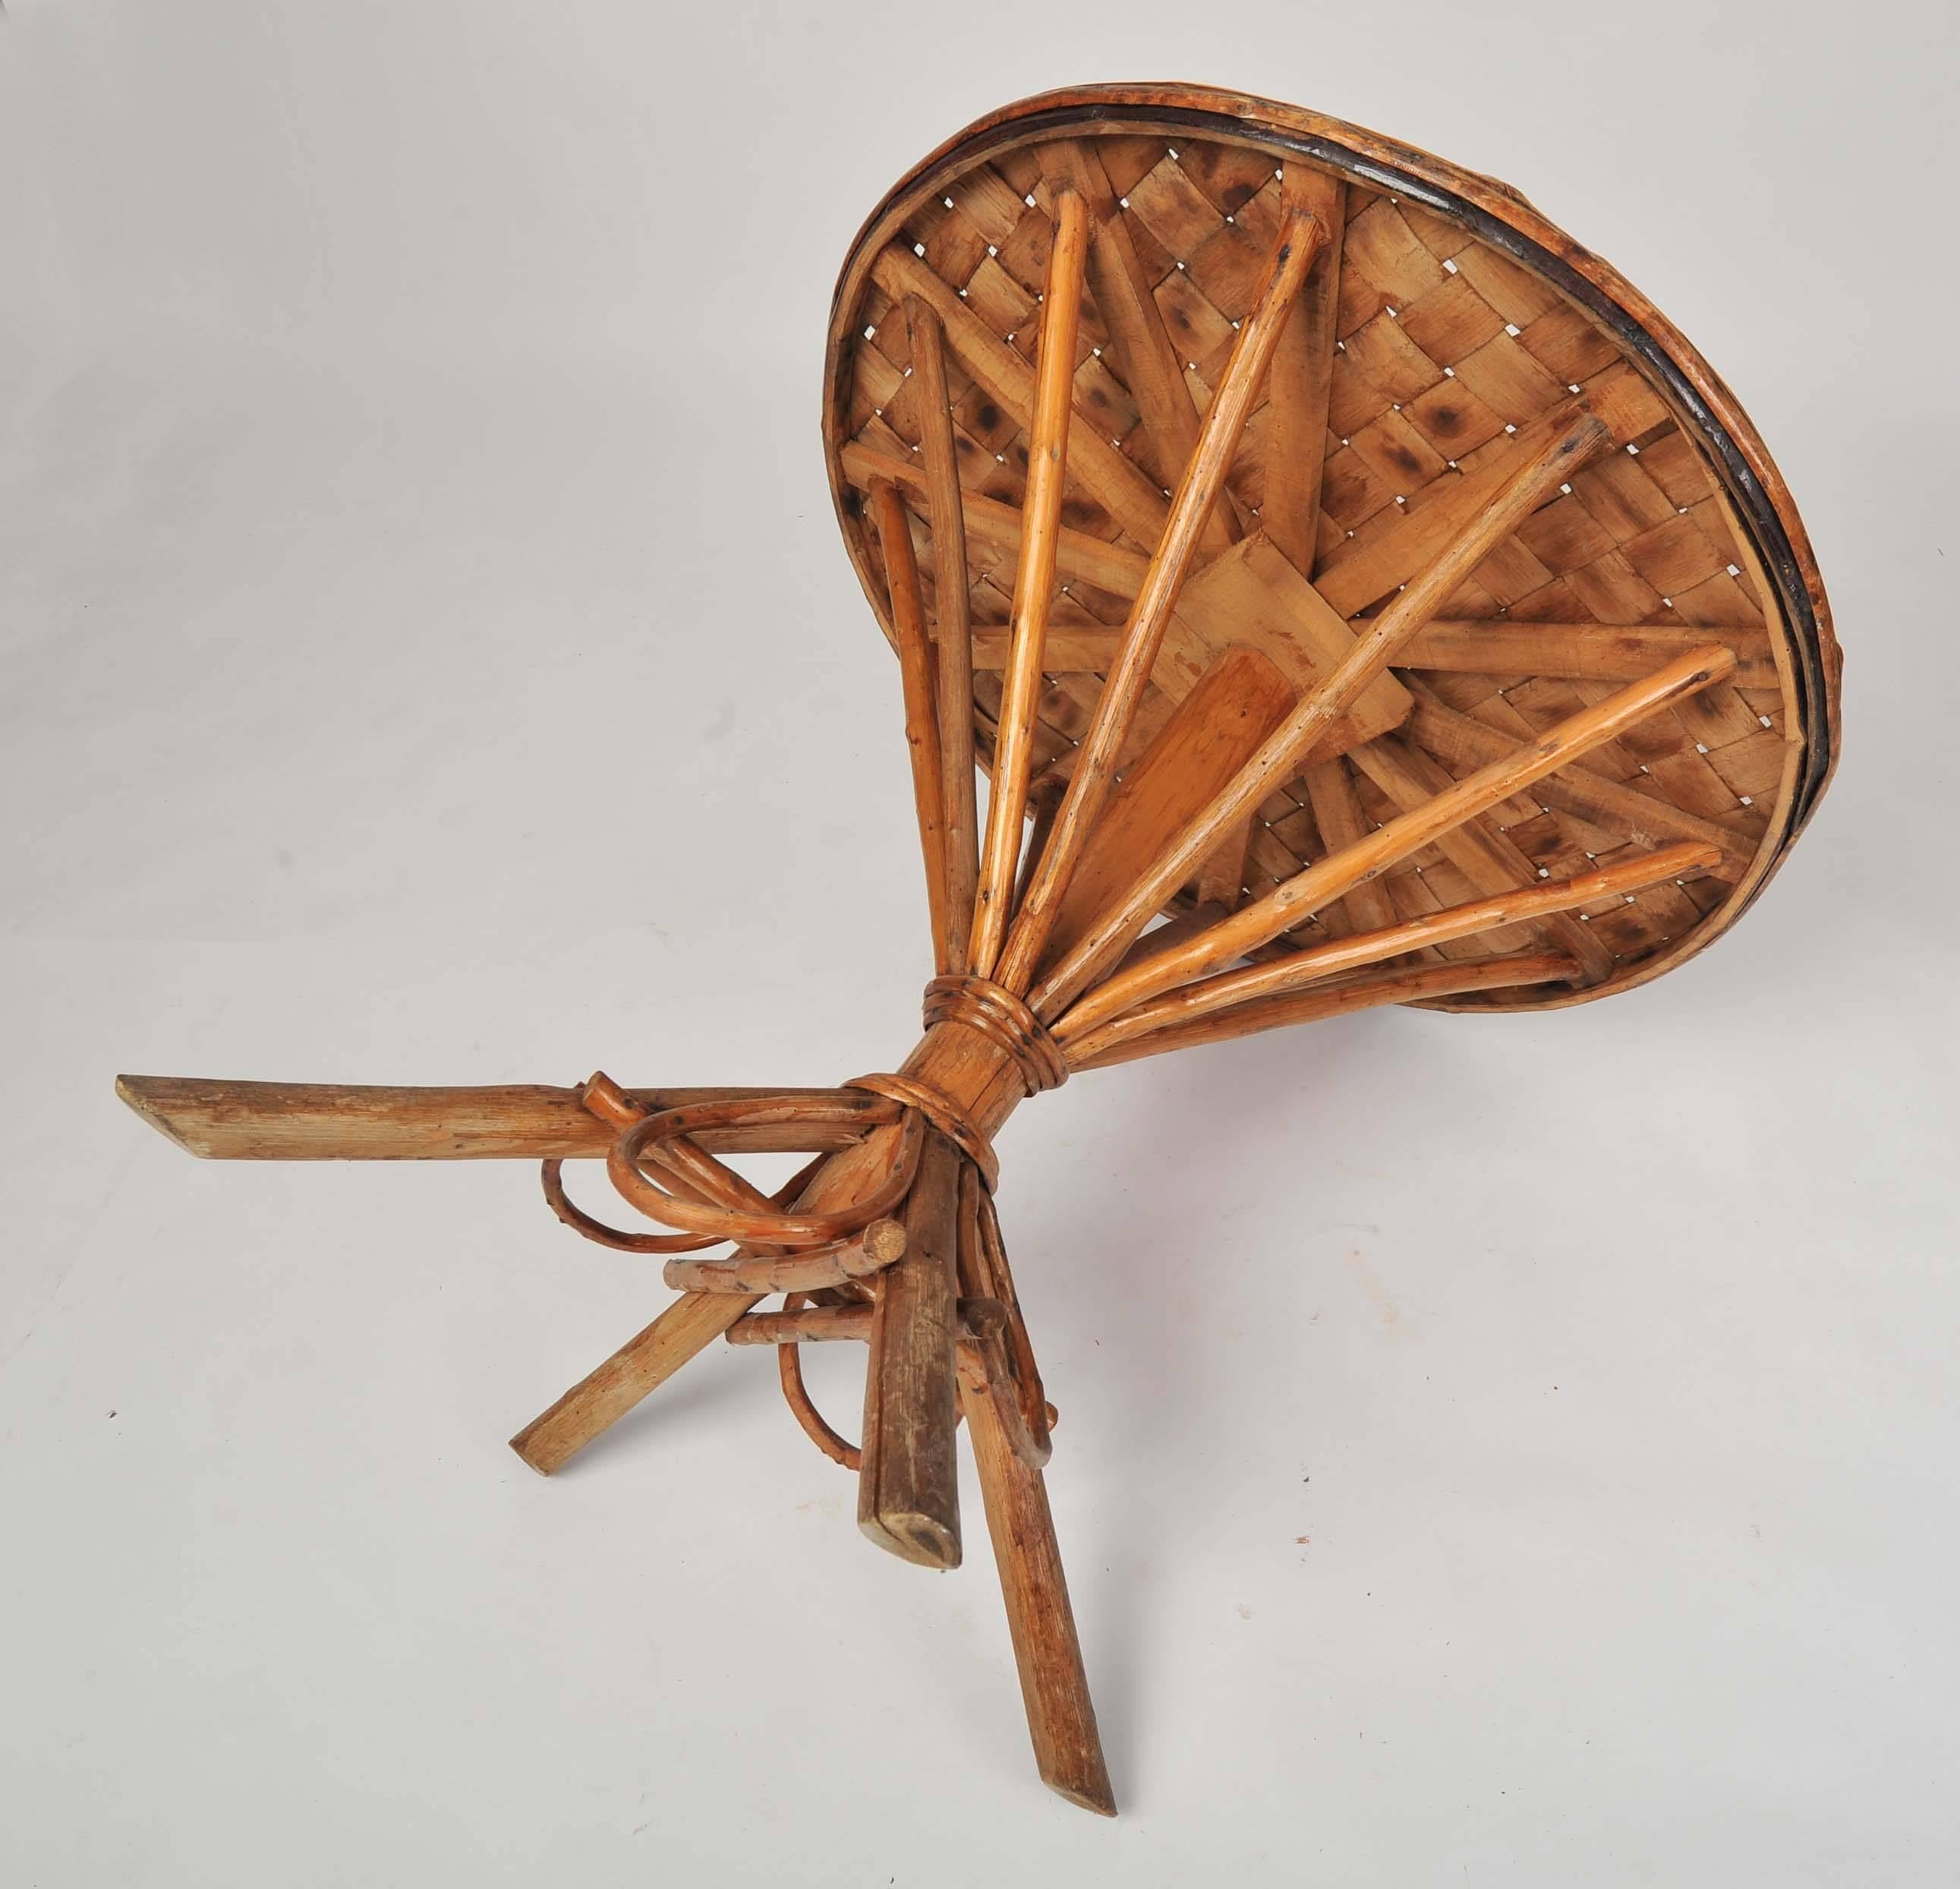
point(1276, 797)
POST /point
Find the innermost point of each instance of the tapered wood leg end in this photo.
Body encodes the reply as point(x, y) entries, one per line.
point(1091, 1793)
point(150, 1096)
point(538, 1451)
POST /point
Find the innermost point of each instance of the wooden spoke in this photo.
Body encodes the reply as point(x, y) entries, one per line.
point(1034, 580)
point(915, 670)
point(1299, 969)
point(908, 1485)
point(953, 628)
point(1237, 703)
point(1301, 377)
point(1526, 487)
point(1340, 998)
point(218, 1120)
point(1303, 894)
point(1144, 357)
point(1198, 491)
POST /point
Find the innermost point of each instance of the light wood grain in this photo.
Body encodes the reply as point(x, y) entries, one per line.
point(1034, 583)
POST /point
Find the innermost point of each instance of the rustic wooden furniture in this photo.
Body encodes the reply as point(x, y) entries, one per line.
point(1355, 593)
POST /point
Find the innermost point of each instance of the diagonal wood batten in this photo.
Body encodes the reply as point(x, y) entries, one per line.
point(915, 672)
point(952, 693)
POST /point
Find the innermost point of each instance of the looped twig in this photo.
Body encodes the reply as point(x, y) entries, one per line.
point(663, 1140)
point(789, 1368)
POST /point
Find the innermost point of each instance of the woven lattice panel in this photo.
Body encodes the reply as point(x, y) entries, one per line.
point(1438, 352)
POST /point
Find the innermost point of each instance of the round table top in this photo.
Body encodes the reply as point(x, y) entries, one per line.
point(1449, 320)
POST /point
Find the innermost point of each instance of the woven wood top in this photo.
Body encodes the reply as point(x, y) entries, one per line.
point(1449, 321)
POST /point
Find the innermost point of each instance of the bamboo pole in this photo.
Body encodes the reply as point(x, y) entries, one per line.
point(1300, 969)
point(1298, 898)
point(1034, 579)
point(959, 805)
point(1340, 998)
point(1280, 755)
point(915, 671)
point(1198, 491)
point(909, 1483)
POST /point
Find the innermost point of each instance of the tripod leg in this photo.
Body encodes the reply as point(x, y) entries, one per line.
point(1061, 1718)
point(909, 1479)
point(688, 1326)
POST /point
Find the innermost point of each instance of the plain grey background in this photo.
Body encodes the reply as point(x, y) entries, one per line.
point(1512, 1451)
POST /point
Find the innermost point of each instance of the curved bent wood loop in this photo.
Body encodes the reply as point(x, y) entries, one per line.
point(1202, 481)
point(796, 1394)
point(600, 1234)
point(729, 1207)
